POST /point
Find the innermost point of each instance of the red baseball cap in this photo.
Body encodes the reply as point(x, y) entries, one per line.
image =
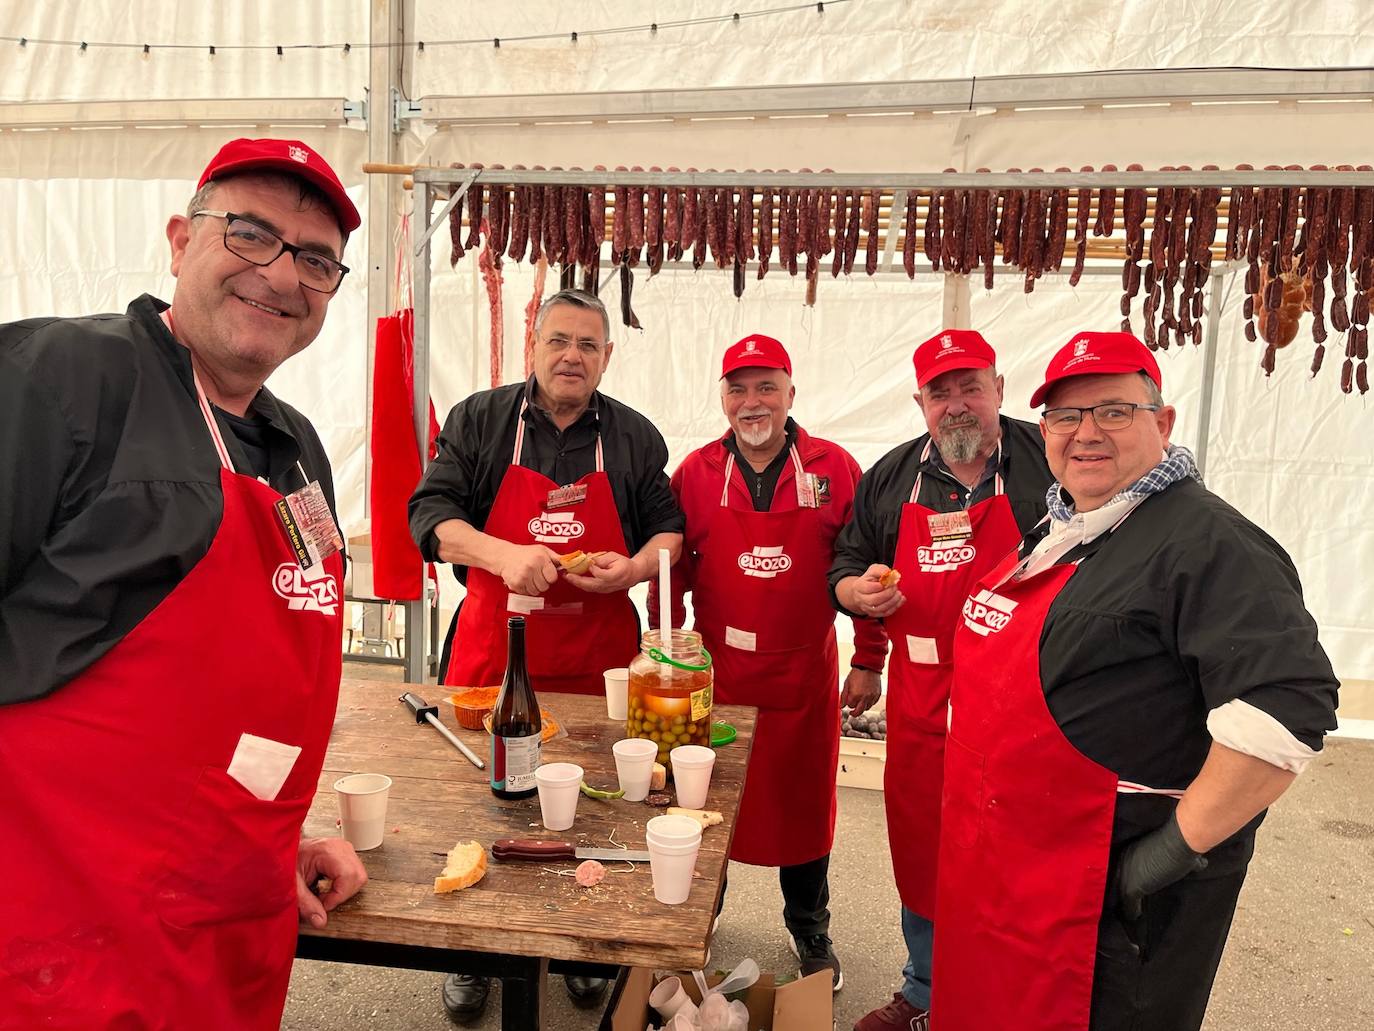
point(1097, 354)
point(951, 349)
point(290, 156)
point(755, 351)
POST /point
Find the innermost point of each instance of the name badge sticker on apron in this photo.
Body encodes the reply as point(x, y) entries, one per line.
point(948, 527)
point(563, 497)
point(309, 525)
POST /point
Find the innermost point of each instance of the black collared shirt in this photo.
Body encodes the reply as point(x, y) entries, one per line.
point(478, 440)
point(763, 484)
point(871, 535)
point(1186, 606)
point(109, 484)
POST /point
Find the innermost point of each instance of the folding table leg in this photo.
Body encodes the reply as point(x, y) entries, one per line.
point(522, 994)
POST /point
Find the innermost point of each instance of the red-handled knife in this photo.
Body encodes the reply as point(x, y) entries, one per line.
point(538, 849)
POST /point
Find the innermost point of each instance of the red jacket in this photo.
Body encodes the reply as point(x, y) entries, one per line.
point(697, 484)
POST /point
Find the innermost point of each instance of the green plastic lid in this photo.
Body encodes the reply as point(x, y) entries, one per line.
point(721, 734)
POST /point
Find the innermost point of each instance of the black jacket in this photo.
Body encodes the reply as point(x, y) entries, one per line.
point(109, 484)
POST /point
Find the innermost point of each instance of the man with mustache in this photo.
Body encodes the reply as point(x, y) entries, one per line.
point(939, 510)
point(526, 472)
point(1132, 689)
point(764, 503)
point(169, 641)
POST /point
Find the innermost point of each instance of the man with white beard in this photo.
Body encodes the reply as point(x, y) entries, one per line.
point(764, 503)
point(940, 511)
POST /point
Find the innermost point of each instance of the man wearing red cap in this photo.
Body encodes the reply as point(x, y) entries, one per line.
point(1131, 691)
point(764, 504)
point(934, 514)
point(170, 621)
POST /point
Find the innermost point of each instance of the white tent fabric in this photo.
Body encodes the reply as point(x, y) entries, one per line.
point(86, 207)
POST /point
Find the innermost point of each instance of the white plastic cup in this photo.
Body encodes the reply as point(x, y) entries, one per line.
point(671, 999)
point(634, 765)
point(560, 785)
point(692, 765)
point(362, 808)
point(617, 693)
point(672, 863)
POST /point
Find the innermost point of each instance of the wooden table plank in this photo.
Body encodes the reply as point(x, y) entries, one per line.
point(519, 909)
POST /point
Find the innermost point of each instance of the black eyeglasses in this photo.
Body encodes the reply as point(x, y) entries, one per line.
point(1115, 415)
point(261, 246)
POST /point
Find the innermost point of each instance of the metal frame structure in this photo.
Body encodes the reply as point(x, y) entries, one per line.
point(457, 181)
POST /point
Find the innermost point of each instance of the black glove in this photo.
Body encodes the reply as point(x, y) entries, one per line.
point(1153, 862)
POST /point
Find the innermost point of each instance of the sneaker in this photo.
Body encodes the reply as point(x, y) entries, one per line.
point(815, 954)
point(897, 1015)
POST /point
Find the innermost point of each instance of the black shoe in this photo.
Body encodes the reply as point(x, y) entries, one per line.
point(465, 997)
point(815, 954)
point(585, 992)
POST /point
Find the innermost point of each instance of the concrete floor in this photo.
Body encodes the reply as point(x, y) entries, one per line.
point(1300, 957)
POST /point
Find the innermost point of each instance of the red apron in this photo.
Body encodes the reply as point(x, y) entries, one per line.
point(936, 578)
point(148, 888)
point(571, 635)
point(1027, 829)
point(763, 608)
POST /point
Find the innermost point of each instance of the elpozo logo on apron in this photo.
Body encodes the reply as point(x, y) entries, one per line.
point(306, 590)
point(556, 527)
point(987, 613)
point(764, 562)
point(942, 558)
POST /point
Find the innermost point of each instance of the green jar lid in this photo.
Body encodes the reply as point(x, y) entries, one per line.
point(721, 734)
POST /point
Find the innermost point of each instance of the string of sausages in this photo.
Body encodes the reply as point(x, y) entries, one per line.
point(1307, 250)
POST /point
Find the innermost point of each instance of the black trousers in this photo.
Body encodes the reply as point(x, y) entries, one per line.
point(1157, 974)
point(805, 897)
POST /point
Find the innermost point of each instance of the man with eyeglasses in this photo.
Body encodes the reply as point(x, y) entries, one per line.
point(169, 623)
point(525, 473)
point(936, 512)
point(1131, 690)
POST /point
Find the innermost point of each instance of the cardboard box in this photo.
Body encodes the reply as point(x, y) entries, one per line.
point(803, 1005)
point(862, 762)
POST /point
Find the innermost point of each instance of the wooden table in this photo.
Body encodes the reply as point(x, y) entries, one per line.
point(520, 916)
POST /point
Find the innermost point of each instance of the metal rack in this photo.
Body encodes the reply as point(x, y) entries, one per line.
point(456, 182)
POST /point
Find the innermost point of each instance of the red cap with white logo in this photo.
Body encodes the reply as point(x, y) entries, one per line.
point(1097, 354)
point(755, 351)
point(291, 157)
point(951, 349)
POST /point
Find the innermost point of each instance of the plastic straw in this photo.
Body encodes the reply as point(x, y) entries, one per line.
point(665, 608)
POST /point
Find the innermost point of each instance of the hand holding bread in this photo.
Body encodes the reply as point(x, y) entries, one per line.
point(606, 573)
point(876, 594)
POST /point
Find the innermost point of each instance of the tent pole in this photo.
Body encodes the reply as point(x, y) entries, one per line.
point(416, 652)
point(1209, 372)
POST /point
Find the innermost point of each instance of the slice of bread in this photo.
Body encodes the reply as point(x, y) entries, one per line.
point(579, 562)
point(466, 863)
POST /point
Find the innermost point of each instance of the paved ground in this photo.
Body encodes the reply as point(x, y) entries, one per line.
point(1300, 958)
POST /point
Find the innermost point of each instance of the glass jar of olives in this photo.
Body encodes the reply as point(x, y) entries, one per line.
point(670, 692)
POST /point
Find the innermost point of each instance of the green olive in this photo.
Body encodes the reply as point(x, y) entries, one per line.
point(669, 738)
point(691, 728)
point(654, 736)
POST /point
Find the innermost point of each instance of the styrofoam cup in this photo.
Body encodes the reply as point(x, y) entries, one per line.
point(560, 786)
point(362, 808)
point(692, 765)
point(670, 999)
point(672, 867)
point(673, 830)
point(634, 765)
point(617, 693)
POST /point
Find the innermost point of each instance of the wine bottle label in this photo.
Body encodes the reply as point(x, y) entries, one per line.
point(701, 704)
point(513, 762)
